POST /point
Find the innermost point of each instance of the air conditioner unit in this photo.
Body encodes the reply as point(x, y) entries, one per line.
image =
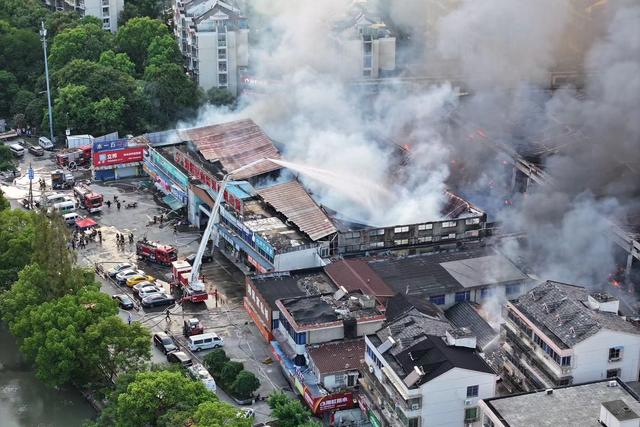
point(468, 402)
point(371, 369)
point(415, 406)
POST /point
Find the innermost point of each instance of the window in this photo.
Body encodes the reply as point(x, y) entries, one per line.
point(422, 227)
point(379, 232)
point(612, 373)
point(401, 242)
point(373, 357)
point(448, 224)
point(486, 292)
point(222, 79)
point(376, 244)
point(401, 229)
point(565, 361)
point(413, 422)
point(472, 391)
point(425, 239)
point(472, 221)
point(275, 323)
point(614, 354)
point(512, 289)
point(463, 296)
point(437, 299)
point(470, 414)
point(301, 338)
point(448, 236)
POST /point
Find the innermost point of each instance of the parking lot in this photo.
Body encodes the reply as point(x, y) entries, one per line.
point(227, 317)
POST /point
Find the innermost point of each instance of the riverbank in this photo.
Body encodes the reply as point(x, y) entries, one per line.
point(27, 402)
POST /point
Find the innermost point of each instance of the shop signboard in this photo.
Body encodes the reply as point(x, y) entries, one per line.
point(329, 403)
point(113, 145)
point(168, 168)
point(126, 155)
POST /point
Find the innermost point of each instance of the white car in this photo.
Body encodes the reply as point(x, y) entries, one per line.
point(145, 292)
point(141, 285)
point(122, 277)
point(199, 372)
point(120, 268)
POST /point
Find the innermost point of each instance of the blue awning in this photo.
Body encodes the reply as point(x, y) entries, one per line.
point(173, 203)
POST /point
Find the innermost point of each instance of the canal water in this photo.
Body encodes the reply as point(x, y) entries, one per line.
point(26, 402)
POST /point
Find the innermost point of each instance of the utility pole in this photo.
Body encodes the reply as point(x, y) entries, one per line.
point(31, 176)
point(43, 37)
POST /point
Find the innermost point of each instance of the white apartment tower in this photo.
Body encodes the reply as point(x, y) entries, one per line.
point(105, 10)
point(214, 39)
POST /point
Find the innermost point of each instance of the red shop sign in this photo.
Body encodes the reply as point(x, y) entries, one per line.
point(126, 155)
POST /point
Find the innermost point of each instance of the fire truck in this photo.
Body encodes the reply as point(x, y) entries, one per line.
point(88, 199)
point(74, 157)
point(180, 284)
point(155, 252)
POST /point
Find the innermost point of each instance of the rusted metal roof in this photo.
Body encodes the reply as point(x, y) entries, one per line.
point(355, 274)
point(235, 144)
point(293, 201)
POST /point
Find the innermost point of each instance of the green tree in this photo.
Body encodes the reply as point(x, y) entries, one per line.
point(16, 242)
point(8, 90)
point(118, 61)
point(107, 115)
point(23, 13)
point(140, 8)
point(7, 161)
point(4, 205)
point(172, 94)
point(116, 347)
point(25, 294)
point(21, 101)
point(245, 385)
point(20, 53)
point(289, 412)
point(152, 396)
point(219, 96)
point(229, 372)
point(219, 414)
point(83, 42)
point(164, 50)
point(215, 360)
point(135, 37)
point(34, 111)
point(59, 21)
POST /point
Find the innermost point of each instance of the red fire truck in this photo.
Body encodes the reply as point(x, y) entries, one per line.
point(155, 252)
point(180, 284)
point(74, 157)
point(88, 199)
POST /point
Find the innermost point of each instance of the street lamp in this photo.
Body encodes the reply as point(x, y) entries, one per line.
point(43, 37)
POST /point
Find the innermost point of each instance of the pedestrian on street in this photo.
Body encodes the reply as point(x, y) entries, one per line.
point(100, 236)
point(155, 219)
point(161, 218)
point(118, 205)
point(129, 317)
point(130, 237)
point(73, 244)
point(108, 203)
point(115, 198)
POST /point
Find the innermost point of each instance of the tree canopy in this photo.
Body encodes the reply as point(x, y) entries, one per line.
point(86, 41)
point(289, 412)
point(16, 241)
point(135, 37)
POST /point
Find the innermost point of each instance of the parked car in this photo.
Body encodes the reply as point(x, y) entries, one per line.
point(138, 278)
point(36, 150)
point(164, 342)
point(136, 288)
point(204, 341)
point(124, 275)
point(192, 326)
point(157, 300)
point(124, 301)
point(147, 292)
point(205, 258)
point(179, 357)
point(200, 373)
point(119, 268)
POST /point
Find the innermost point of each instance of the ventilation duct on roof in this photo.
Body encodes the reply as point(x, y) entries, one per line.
point(414, 376)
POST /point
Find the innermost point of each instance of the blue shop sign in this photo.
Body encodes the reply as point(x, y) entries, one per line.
point(116, 144)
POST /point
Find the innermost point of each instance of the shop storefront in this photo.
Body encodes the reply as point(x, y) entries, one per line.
point(116, 160)
point(168, 179)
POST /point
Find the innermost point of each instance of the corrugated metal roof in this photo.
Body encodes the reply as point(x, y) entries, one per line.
point(235, 144)
point(355, 274)
point(293, 201)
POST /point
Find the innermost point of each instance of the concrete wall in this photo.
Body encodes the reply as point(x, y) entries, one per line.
point(207, 59)
point(95, 8)
point(318, 336)
point(591, 357)
point(296, 260)
point(444, 397)
point(369, 328)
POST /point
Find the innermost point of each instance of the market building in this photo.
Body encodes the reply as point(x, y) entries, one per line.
point(117, 159)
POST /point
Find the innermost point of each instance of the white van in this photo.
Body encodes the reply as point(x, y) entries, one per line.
point(205, 341)
point(17, 150)
point(65, 207)
point(70, 218)
point(45, 143)
point(54, 198)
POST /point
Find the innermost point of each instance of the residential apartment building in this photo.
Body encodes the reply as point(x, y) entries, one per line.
point(105, 10)
point(364, 32)
point(609, 403)
point(559, 334)
point(214, 39)
point(417, 377)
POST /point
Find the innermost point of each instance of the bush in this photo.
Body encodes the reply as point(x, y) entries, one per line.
point(229, 372)
point(215, 360)
point(244, 385)
point(6, 158)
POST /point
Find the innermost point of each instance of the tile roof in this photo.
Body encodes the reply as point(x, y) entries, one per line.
point(561, 311)
point(293, 201)
point(435, 358)
point(337, 356)
point(235, 144)
point(399, 305)
point(464, 315)
point(356, 274)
